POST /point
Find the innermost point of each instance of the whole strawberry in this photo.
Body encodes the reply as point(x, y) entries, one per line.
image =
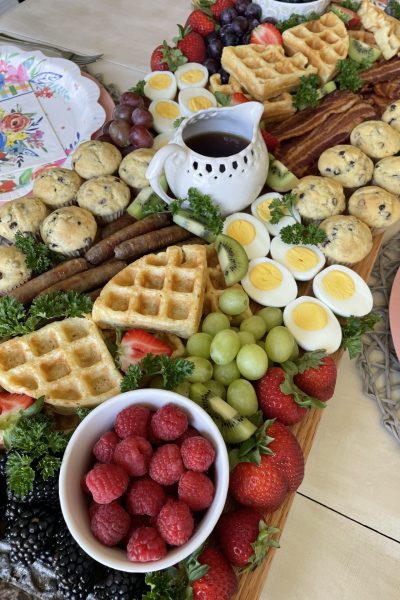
point(216, 6)
point(276, 399)
point(165, 58)
point(287, 454)
point(191, 45)
point(219, 583)
point(244, 537)
point(316, 377)
point(201, 23)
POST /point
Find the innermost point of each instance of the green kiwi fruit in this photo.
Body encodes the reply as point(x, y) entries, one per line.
point(326, 89)
point(185, 219)
point(279, 178)
point(360, 51)
point(146, 198)
point(232, 258)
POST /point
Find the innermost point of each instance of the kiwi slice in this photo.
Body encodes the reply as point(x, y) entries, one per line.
point(146, 198)
point(232, 258)
point(326, 89)
point(279, 178)
point(233, 427)
point(360, 51)
point(185, 219)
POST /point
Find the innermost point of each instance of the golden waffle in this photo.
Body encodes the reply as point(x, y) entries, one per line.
point(265, 71)
point(67, 362)
point(323, 41)
point(363, 36)
point(386, 29)
point(163, 292)
point(231, 87)
point(278, 109)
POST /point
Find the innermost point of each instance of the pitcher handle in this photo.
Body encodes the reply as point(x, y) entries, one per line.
point(156, 167)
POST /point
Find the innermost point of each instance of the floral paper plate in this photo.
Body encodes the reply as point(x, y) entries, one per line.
point(69, 104)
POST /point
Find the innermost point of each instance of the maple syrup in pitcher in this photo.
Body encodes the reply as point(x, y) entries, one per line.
point(217, 143)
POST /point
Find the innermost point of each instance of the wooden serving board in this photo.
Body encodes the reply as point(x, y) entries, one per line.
point(252, 583)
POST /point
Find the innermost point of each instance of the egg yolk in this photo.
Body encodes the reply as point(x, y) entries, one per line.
point(301, 259)
point(159, 82)
point(198, 103)
point(310, 316)
point(192, 76)
point(242, 231)
point(166, 110)
point(266, 277)
point(262, 210)
point(339, 285)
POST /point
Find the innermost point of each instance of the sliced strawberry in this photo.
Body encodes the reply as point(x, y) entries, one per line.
point(270, 140)
point(136, 343)
point(238, 98)
point(350, 18)
point(14, 402)
point(266, 33)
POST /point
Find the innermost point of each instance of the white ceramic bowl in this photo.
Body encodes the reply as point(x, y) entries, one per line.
point(282, 10)
point(76, 463)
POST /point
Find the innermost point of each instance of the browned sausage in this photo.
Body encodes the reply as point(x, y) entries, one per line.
point(93, 278)
point(95, 294)
point(105, 248)
point(149, 242)
point(116, 225)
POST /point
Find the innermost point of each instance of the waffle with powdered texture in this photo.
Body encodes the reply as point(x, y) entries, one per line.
point(162, 292)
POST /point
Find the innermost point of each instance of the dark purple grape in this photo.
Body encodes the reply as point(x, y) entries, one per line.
point(104, 137)
point(119, 132)
point(241, 6)
point(253, 11)
point(106, 127)
point(227, 15)
point(215, 49)
point(140, 137)
point(212, 65)
point(270, 20)
point(246, 38)
point(224, 76)
point(253, 24)
point(132, 99)
point(142, 116)
point(225, 30)
point(231, 39)
point(210, 37)
point(127, 150)
point(239, 25)
point(122, 111)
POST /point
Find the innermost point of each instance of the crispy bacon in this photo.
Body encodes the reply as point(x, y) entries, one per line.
point(383, 71)
point(390, 90)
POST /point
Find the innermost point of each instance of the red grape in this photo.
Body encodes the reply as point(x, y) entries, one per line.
point(106, 127)
point(132, 99)
point(127, 150)
point(140, 137)
point(142, 116)
point(123, 111)
point(104, 137)
point(119, 132)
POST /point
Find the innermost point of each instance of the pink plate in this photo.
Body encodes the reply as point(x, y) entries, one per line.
point(394, 313)
point(105, 101)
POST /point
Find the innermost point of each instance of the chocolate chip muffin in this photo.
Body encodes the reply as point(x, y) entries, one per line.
point(95, 159)
point(348, 240)
point(105, 197)
point(133, 167)
point(375, 206)
point(69, 231)
point(346, 164)
point(319, 197)
point(24, 215)
point(13, 269)
point(387, 174)
point(57, 187)
point(392, 115)
point(376, 139)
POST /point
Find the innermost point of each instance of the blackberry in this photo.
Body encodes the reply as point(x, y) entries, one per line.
point(119, 586)
point(44, 492)
point(3, 495)
point(73, 568)
point(30, 533)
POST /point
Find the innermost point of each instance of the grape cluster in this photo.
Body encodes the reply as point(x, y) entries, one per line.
point(130, 126)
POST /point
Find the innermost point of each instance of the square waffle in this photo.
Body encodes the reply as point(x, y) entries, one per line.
point(163, 292)
point(67, 362)
point(279, 108)
point(323, 42)
point(386, 29)
point(265, 71)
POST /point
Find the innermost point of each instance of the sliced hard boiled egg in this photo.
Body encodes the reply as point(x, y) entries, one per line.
point(191, 75)
point(344, 291)
point(160, 85)
point(165, 113)
point(269, 283)
point(191, 100)
point(313, 325)
point(260, 209)
point(162, 139)
point(303, 262)
point(249, 232)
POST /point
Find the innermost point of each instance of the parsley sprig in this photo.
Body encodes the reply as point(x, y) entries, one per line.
point(349, 74)
point(202, 208)
point(294, 20)
point(307, 93)
point(393, 9)
point(353, 329)
point(172, 370)
point(299, 233)
point(138, 88)
point(38, 257)
point(280, 207)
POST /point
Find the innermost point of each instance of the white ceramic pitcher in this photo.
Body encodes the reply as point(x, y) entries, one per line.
point(233, 182)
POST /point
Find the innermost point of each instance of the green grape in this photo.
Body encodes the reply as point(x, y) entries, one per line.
point(233, 301)
point(224, 346)
point(295, 351)
point(199, 345)
point(252, 362)
point(217, 387)
point(261, 343)
point(272, 316)
point(279, 344)
point(255, 325)
point(242, 396)
point(157, 382)
point(237, 319)
point(246, 337)
point(183, 389)
point(215, 322)
point(225, 374)
point(202, 371)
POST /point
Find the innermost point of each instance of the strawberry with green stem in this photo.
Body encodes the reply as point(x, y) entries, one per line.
point(214, 7)
point(200, 22)
point(166, 58)
point(191, 44)
point(316, 375)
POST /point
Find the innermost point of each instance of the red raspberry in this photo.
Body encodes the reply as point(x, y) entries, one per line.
point(166, 466)
point(107, 482)
point(190, 432)
point(196, 489)
point(175, 522)
point(105, 446)
point(145, 497)
point(133, 454)
point(145, 545)
point(93, 506)
point(155, 441)
point(110, 523)
point(198, 453)
point(84, 486)
point(136, 522)
point(132, 421)
point(169, 422)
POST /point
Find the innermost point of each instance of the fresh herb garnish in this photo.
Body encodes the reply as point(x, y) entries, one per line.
point(353, 329)
point(393, 9)
point(172, 370)
point(202, 208)
point(82, 412)
point(280, 207)
point(138, 88)
point(352, 5)
point(38, 257)
point(307, 92)
point(178, 121)
point(299, 233)
point(294, 20)
point(223, 99)
point(349, 74)
point(12, 317)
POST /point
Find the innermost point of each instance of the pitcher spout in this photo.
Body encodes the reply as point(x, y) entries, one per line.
point(250, 112)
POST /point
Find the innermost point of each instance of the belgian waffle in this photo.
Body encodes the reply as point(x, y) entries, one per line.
point(231, 87)
point(67, 362)
point(265, 71)
point(162, 291)
point(324, 42)
point(386, 29)
point(278, 109)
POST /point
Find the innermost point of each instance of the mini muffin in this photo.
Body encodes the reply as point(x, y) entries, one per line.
point(133, 167)
point(95, 159)
point(69, 231)
point(375, 206)
point(346, 164)
point(13, 269)
point(392, 115)
point(387, 174)
point(57, 187)
point(348, 241)
point(376, 138)
point(319, 197)
point(105, 197)
point(24, 215)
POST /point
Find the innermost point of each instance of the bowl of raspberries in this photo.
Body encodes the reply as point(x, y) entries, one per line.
point(144, 480)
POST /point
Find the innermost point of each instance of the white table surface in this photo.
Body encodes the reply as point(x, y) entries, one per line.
point(342, 538)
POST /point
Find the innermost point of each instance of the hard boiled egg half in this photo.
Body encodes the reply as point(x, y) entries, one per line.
point(304, 262)
point(165, 113)
point(192, 99)
point(344, 291)
point(191, 75)
point(269, 283)
point(260, 209)
point(160, 85)
point(313, 325)
point(249, 232)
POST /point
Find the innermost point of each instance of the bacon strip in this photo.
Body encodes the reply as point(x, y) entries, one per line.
point(384, 71)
